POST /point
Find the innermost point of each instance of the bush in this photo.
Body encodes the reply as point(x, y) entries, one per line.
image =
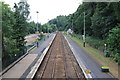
point(96, 43)
point(113, 42)
point(41, 36)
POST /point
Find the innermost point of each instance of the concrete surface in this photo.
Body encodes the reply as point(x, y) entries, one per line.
point(88, 61)
point(17, 70)
point(24, 66)
point(42, 46)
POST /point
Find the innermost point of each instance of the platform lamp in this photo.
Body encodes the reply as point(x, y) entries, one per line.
point(84, 31)
point(37, 21)
point(105, 68)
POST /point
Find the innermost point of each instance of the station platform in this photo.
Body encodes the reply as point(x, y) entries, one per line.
point(24, 66)
point(90, 63)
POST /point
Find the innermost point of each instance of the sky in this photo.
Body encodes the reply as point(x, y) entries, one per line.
point(48, 9)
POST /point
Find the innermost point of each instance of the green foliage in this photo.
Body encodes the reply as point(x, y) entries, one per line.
point(7, 20)
point(60, 22)
point(113, 42)
point(31, 27)
point(53, 28)
point(96, 43)
point(76, 20)
point(45, 28)
point(7, 24)
point(41, 36)
point(100, 18)
point(101, 21)
point(48, 28)
point(20, 27)
point(39, 27)
point(9, 47)
point(14, 27)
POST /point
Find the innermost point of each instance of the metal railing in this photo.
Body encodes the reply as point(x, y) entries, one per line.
point(18, 56)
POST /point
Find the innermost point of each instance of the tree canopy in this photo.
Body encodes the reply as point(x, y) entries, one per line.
point(101, 20)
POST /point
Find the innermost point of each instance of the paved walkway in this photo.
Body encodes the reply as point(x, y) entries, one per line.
point(42, 46)
point(88, 61)
point(24, 66)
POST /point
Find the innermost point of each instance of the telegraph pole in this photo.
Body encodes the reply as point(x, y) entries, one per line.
point(72, 21)
point(84, 31)
point(48, 27)
point(37, 21)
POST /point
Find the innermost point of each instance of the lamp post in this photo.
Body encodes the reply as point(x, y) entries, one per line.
point(72, 21)
point(105, 68)
point(48, 27)
point(84, 31)
point(37, 21)
point(105, 50)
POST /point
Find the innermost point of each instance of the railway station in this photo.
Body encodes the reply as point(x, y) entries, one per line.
point(55, 58)
point(60, 40)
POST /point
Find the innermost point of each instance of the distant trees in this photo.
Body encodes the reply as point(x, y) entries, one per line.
point(60, 22)
point(101, 21)
point(31, 27)
point(45, 28)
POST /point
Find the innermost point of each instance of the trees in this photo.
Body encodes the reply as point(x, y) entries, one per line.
point(14, 27)
point(20, 28)
point(100, 18)
point(9, 48)
point(113, 42)
point(102, 22)
point(7, 24)
point(31, 27)
point(44, 28)
point(60, 21)
point(77, 19)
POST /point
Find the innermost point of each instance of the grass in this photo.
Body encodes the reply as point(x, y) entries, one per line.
point(99, 56)
point(92, 51)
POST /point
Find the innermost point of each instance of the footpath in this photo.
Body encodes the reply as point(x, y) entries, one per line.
point(22, 68)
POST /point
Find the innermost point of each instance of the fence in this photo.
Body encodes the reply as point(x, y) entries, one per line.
point(12, 59)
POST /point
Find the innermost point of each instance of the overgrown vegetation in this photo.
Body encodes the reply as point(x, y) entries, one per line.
point(60, 22)
point(101, 20)
point(15, 26)
point(113, 42)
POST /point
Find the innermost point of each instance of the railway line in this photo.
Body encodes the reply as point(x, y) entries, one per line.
point(59, 62)
point(60, 59)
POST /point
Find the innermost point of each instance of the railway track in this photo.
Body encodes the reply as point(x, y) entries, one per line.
point(59, 62)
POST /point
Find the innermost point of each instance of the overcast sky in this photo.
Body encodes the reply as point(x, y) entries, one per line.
point(49, 9)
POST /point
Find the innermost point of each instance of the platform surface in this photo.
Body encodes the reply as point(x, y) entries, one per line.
point(21, 69)
point(88, 61)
